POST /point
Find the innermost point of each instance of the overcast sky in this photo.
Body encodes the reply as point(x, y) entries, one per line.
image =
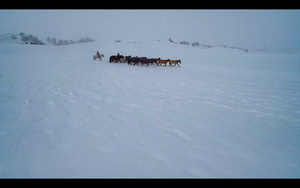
point(271, 29)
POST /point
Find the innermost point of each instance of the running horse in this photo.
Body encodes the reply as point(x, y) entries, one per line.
point(160, 62)
point(98, 57)
point(175, 62)
point(117, 59)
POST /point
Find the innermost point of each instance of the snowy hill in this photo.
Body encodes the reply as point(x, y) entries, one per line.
point(10, 38)
point(20, 38)
point(223, 113)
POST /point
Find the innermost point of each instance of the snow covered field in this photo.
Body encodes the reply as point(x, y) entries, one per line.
point(223, 113)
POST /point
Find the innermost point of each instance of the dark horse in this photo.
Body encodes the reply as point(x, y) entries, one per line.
point(141, 60)
point(116, 59)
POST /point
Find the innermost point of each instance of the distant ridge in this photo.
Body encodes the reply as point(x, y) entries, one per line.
point(22, 38)
point(197, 44)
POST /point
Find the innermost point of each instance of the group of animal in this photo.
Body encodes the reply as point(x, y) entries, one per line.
point(143, 61)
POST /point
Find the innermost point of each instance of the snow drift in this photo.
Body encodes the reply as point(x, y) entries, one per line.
point(223, 113)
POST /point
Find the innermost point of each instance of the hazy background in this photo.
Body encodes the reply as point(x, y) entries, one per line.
point(253, 29)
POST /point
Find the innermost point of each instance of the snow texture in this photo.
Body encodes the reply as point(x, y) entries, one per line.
point(223, 113)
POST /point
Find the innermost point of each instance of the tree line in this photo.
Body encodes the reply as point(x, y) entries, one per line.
point(56, 41)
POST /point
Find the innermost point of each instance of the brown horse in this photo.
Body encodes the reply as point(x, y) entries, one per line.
point(160, 62)
point(175, 62)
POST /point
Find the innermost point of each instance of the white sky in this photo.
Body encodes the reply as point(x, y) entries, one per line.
point(271, 29)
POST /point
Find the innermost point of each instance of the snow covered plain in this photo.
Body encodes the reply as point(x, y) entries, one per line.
point(223, 113)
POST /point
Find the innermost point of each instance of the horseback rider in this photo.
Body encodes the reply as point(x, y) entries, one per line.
point(118, 55)
point(98, 54)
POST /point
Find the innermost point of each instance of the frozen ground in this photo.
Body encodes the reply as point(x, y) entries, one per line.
point(223, 113)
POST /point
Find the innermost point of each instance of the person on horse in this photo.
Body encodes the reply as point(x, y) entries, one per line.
point(118, 55)
point(98, 54)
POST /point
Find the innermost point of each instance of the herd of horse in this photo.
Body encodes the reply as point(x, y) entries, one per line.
point(138, 60)
point(143, 61)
